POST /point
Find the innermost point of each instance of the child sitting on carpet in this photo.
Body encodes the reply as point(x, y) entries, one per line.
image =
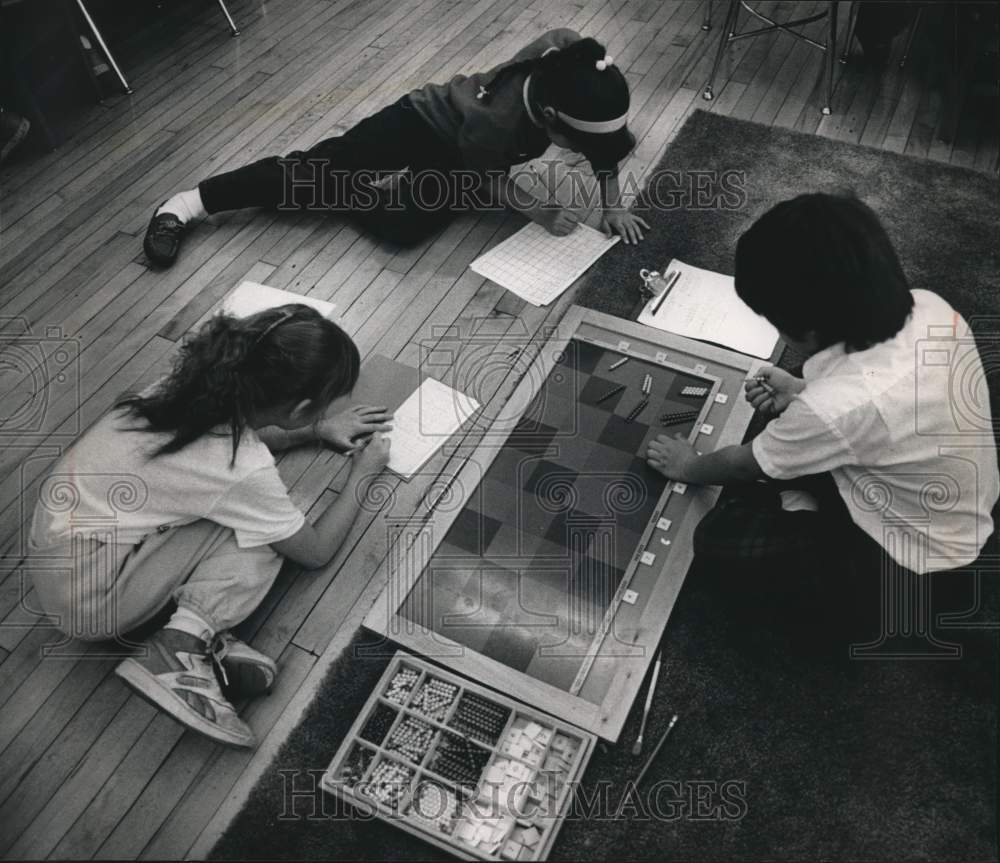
point(199, 513)
point(872, 409)
point(459, 141)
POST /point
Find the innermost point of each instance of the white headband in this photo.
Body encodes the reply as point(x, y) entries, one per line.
point(593, 127)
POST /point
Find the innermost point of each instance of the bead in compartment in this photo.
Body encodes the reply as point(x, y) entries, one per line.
point(435, 806)
point(411, 738)
point(434, 698)
point(481, 719)
point(401, 685)
point(387, 783)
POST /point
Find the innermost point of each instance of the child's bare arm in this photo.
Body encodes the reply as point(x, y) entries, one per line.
point(315, 545)
point(676, 459)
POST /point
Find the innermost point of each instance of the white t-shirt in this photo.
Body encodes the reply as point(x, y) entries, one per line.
point(109, 479)
point(905, 429)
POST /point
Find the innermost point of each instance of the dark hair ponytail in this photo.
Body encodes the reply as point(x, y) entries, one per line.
point(233, 369)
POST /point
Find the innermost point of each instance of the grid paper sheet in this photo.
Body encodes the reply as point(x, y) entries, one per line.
point(538, 266)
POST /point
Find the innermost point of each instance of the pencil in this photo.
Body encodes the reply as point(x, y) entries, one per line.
point(670, 283)
point(656, 750)
point(637, 748)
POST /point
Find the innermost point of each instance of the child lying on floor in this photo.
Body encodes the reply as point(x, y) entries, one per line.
point(869, 410)
point(459, 141)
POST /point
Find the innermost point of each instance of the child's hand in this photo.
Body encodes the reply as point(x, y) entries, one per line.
point(373, 455)
point(627, 225)
point(557, 221)
point(348, 430)
point(774, 390)
point(671, 456)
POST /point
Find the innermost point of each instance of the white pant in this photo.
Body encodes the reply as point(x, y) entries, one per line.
point(112, 589)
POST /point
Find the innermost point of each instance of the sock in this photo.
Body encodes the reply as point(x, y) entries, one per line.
point(187, 206)
point(188, 621)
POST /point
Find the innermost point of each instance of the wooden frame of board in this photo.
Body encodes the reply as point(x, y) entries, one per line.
point(603, 702)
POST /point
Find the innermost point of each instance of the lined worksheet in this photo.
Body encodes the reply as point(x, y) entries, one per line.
point(704, 305)
point(424, 422)
point(538, 266)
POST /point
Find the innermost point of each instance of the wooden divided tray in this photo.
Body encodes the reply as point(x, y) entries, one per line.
point(480, 775)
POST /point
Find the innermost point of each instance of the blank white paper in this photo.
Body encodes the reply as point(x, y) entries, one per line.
point(424, 422)
point(252, 297)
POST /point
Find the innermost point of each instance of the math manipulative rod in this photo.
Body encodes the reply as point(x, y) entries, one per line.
point(611, 392)
point(618, 363)
point(637, 747)
point(638, 409)
point(656, 751)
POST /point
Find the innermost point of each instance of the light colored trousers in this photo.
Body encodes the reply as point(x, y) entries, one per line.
point(112, 589)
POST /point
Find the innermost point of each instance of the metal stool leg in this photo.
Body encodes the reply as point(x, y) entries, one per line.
point(707, 23)
point(852, 20)
point(229, 18)
point(732, 14)
point(911, 35)
point(104, 48)
point(831, 57)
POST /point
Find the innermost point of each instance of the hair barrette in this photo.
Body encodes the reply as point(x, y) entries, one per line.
point(273, 326)
point(603, 64)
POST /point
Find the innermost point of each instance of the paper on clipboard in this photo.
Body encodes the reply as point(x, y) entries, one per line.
point(704, 305)
point(423, 424)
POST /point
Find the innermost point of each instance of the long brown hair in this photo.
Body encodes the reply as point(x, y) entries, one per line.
point(233, 369)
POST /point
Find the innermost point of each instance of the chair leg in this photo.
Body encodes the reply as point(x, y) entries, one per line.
point(104, 48)
point(831, 57)
point(732, 14)
point(233, 28)
point(852, 21)
point(910, 36)
point(707, 23)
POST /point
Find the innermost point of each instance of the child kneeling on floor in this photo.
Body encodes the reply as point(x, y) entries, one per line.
point(203, 517)
point(869, 413)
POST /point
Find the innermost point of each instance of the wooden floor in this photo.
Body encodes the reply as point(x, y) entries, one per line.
point(86, 769)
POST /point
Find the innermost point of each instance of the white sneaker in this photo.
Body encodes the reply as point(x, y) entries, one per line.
point(176, 675)
point(248, 671)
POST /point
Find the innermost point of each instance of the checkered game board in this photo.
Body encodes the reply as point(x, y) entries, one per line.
point(533, 562)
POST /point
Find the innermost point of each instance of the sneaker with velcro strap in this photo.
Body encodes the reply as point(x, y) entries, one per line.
point(175, 673)
point(243, 669)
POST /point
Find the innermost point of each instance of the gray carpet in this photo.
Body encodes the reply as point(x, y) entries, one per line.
point(833, 759)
